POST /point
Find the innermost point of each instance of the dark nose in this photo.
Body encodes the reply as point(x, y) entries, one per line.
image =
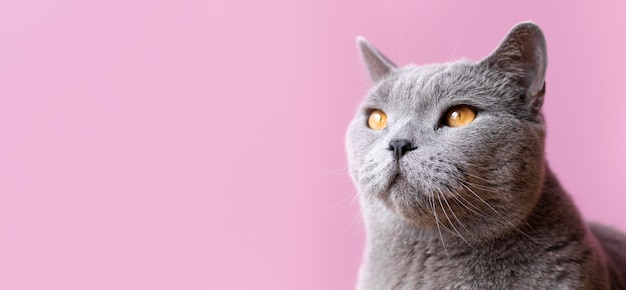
point(400, 147)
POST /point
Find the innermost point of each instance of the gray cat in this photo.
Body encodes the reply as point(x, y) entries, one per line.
point(453, 184)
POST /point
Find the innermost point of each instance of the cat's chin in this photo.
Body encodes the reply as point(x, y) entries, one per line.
point(418, 207)
point(399, 186)
point(406, 201)
point(405, 193)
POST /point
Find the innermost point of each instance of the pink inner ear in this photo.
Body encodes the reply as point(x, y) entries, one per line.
point(537, 85)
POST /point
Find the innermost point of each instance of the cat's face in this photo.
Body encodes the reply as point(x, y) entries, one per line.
point(458, 145)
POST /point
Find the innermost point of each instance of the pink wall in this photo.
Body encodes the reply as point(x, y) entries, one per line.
point(199, 144)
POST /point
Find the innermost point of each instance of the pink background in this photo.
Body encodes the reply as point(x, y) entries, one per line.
point(199, 144)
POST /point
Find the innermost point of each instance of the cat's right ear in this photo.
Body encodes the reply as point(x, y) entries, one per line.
point(522, 56)
point(378, 65)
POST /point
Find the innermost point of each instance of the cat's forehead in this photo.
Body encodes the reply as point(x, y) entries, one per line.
point(427, 85)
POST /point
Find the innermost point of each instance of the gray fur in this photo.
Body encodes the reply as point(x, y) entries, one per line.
point(473, 207)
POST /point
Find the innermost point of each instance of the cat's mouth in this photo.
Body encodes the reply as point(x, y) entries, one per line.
point(398, 180)
point(398, 177)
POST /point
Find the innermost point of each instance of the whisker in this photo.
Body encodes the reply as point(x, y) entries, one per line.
point(455, 216)
point(498, 213)
point(476, 210)
point(355, 197)
point(480, 211)
point(355, 221)
point(484, 37)
point(481, 187)
point(456, 46)
point(352, 199)
point(477, 177)
point(484, 187)
point(450, 221)
point(437, 223)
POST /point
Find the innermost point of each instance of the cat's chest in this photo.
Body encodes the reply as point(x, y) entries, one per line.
point(433, 266)
point(413, 265)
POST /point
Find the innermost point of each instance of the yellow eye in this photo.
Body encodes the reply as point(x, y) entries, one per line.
point(377, 120)
point(460, 116)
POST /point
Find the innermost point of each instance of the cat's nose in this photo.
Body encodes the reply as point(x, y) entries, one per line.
point(400, 147)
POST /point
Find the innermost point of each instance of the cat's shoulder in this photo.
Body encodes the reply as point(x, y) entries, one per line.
point(609, 237)
point(613, 243)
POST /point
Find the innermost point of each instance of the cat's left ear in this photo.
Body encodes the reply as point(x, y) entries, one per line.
point(378, 65)
point(522, 56)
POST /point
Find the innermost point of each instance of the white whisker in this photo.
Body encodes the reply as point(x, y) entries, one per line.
point(456, 46)
point(498, 213)
point(450, 221)
point(431, 198)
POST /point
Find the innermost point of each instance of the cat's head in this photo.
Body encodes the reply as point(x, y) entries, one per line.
point(457, 144)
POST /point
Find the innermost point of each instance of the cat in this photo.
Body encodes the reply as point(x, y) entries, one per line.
point(455, 192)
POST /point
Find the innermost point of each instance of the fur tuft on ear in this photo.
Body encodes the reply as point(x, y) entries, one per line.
point(377, 64)
point(522, 55)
